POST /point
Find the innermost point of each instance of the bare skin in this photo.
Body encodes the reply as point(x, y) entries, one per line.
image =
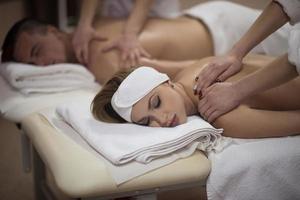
point(188, 36)
point(160, 38)
point(273, 113)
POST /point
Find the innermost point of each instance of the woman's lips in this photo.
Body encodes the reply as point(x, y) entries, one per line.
point(174, 121)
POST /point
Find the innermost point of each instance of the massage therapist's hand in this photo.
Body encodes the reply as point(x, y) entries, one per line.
point(217, 100)
point(81, 39)
point(130, 49)
point(217, 70)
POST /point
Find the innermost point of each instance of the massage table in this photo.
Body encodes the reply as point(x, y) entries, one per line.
point(77, 172)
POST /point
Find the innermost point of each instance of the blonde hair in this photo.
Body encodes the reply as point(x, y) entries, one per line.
point(101, 107)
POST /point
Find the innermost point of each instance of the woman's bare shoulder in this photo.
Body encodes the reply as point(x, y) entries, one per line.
point(251, 63)
point(191, 70)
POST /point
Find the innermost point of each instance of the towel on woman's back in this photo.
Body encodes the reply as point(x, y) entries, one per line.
point(122, 143)
point(54, 78)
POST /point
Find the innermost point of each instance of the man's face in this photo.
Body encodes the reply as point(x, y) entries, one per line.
point(40, 49)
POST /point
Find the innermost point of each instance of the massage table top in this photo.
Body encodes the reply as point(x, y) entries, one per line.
point(78, 173)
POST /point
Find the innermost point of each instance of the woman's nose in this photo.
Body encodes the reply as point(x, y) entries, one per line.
point(160, 119)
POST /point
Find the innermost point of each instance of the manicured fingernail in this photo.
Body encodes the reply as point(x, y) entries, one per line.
point(195, 89)
point(200, 95)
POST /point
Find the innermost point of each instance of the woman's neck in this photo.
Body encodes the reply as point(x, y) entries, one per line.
point(190, 107)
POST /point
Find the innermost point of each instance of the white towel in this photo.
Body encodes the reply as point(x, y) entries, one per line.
point(261, 169)
point(120, 173)
point(55, 78)
point(122, 143)
point(228, 22)
point(291, 8)
point(294, 47)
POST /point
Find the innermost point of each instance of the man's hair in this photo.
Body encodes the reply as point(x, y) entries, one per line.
point(28, 25)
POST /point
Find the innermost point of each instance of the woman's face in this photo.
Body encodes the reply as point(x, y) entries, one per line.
point(162, 107)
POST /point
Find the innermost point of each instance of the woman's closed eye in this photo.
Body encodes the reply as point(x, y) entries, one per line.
point(156, 102)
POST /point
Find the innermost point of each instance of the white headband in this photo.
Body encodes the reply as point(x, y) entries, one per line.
point(134, 87)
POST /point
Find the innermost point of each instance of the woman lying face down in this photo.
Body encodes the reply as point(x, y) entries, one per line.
point(146, 97)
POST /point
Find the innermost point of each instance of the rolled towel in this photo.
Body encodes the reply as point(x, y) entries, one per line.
point(54, 78)
point(122, 143)
point(294, 47)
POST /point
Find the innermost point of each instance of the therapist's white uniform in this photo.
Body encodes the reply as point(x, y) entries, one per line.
point(122, 8)
point(292, 9)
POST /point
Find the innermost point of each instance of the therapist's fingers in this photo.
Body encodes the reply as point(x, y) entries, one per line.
point(85, 54)
point(208, 112)
point(204, 109)
point(78, 55)
point(207, 77)
point(81, 54)
point(203, 105)
point(144, 53)
point(213, 116)
point(137, 54)
point(212, 76)
point(132, 59)
point(229, 72)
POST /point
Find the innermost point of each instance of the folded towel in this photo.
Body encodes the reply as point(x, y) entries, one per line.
point(55, 78)
point(260, 169)
point(122, 143)
point(294, 47)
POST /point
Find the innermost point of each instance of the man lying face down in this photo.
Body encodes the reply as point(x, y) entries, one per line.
point(32, 42)
point(196, 34)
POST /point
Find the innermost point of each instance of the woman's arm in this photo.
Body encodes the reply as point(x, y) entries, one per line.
point(137, 17)
point(272, 18)
point(274, 74)
point(245, 122)
point(87, 12)
point(128, 43)
point(84, 32)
